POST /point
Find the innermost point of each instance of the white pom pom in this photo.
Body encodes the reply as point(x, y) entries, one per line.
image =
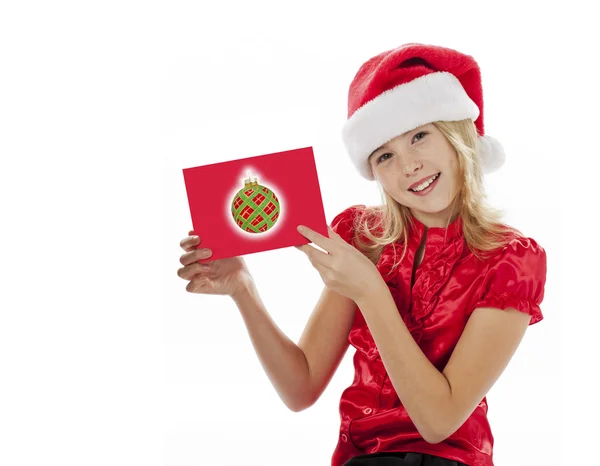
point(491, 154)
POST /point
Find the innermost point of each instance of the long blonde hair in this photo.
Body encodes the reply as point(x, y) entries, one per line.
point(483, 229)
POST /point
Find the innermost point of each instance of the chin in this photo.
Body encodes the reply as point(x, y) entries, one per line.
point(435, 206)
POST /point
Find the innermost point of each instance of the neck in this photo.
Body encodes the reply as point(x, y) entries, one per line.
point(438, 219)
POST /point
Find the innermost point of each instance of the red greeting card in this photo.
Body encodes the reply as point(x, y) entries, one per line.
point(255, 204)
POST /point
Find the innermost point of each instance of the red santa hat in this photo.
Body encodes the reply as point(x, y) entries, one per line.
point(410, 86)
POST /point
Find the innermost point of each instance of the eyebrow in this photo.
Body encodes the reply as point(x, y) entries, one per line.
point(420, 128)
point(380, 147)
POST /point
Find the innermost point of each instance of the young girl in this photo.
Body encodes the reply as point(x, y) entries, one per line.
point(432, 290)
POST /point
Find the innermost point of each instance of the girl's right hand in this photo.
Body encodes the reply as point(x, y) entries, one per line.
point(220, 277)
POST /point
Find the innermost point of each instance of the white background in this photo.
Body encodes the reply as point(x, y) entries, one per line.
point(105, 359)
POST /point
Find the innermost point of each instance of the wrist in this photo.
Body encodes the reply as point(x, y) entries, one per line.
point(373, 294)
point(245, 290)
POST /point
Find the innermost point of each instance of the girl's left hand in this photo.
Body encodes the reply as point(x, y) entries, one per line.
point(342, 267)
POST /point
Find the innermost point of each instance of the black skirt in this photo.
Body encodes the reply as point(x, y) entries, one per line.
point(400, 459)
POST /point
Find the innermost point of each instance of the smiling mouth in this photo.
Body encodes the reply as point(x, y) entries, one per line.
point(425, 184)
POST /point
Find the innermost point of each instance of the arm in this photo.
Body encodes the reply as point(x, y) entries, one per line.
point(440, 402)
point(299, 373)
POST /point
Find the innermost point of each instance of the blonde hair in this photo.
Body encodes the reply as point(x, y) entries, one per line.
point(482, 227)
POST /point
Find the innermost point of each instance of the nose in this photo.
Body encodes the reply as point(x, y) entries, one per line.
point(411, 165)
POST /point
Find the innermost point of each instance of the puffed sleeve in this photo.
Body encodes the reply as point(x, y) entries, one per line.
point(516, 279)
point(343, 223)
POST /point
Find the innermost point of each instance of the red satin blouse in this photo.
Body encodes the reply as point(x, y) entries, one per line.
point(450, 283)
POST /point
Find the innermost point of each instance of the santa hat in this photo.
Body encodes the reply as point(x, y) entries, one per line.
point(410, 86)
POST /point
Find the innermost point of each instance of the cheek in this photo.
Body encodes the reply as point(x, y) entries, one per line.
point(387, 179)
point(454, 182)
point(389, 184)
point(453, 168)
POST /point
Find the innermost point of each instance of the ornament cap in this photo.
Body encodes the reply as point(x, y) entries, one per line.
point(249, 181)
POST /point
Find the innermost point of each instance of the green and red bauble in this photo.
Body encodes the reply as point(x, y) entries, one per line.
point(255, 208)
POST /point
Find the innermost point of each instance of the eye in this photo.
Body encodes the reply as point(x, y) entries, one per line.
point(383, 158)
point(420, 132)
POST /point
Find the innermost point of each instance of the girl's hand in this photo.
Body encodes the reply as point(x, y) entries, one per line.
point(221, 277)
point(343, 268)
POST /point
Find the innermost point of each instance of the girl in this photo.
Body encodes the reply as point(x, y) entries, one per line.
point(432, 290)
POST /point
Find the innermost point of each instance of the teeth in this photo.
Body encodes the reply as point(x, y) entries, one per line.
point(423, 185)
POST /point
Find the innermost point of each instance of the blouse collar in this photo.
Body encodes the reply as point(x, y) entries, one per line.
point(437, 234)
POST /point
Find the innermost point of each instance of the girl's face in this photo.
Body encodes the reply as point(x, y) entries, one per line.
point(419, 169)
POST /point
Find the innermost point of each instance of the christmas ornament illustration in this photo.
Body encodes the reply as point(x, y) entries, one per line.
point(255, 208)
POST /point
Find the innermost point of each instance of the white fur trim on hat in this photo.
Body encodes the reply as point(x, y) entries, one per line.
point(436, 96)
